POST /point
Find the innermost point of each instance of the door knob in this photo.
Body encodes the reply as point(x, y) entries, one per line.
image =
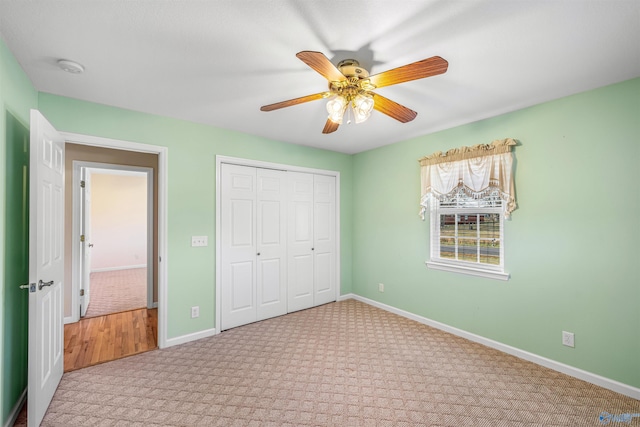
point(258, 254)
point(42, 284)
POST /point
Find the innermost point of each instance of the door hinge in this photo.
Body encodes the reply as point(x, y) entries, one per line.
point(82, 237)
point(81, 292)
point(82, 184)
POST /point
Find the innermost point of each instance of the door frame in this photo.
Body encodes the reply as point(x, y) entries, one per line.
point(76, 278)
point(266, 165)
point(163, 161)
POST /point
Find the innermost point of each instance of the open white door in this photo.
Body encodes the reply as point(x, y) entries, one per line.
point(85, 240)
point(46, 265)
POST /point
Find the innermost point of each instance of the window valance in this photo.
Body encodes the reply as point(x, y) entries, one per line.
point(478, 171)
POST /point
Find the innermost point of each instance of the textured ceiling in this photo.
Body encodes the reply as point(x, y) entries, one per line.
point(217, 62)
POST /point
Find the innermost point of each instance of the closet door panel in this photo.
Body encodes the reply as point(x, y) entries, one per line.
point(241, 287)
point(324, 232)
point(271, 255)
point(300, 241)
point(301, 287)
point(238, 242)
point(270, 275)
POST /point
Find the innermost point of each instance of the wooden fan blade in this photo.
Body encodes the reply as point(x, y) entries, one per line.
point(330, 126)
point(294, 101)
point(414, 71)
point(392, 109)
point(321, 64)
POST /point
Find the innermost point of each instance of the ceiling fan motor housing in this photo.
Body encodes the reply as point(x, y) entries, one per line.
point(352, 68)
point(357, 80)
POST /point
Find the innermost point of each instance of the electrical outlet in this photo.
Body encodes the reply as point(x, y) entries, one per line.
point(568, 339)
point(195, 311)
point(380, 287)
point(199, 241)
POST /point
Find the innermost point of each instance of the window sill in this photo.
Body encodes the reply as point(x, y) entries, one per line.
point(487, 274)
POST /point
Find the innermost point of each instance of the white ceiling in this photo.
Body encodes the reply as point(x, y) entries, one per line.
point(217, 62)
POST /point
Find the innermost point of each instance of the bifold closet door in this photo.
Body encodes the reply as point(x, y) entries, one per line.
point(324, 235)
point(253, 245)
point(271, 228)
point(311, 240)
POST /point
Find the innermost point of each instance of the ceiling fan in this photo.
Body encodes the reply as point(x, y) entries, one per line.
point(351, 88)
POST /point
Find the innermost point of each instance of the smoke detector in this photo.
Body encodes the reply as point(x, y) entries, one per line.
point(70, 66)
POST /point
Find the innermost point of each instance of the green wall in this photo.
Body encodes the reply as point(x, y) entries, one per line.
point(191, 191)
point(571, 247)
point(17, 96)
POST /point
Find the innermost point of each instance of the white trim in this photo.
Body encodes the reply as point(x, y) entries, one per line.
point(163, 185)
point(183, 339)
point(108, 169)
point(268, 165)
point(346, 297)
point(278, 166)
point(122, 267)
point(488, 274)
point(15, 411)
point(590, 377)
point(75, 247)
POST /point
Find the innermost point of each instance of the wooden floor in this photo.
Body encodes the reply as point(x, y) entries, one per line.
point(110, 337)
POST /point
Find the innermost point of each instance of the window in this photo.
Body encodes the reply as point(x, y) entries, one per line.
point(469, 192)
point(468, 232)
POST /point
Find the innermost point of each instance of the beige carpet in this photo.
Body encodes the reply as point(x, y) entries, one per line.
point(116, 291)
point(341, 364)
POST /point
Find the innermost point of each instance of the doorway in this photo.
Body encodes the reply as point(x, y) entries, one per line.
point(113, 231)
point(149, 324)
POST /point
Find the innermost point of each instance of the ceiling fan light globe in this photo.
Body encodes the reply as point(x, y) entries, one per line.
point(362, 107)
point(336, 107)
point(364, 102)
point(361, 116)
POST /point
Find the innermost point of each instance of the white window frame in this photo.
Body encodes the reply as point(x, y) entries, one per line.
point(464, 267)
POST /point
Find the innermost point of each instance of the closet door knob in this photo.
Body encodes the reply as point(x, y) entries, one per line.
point(258, 254)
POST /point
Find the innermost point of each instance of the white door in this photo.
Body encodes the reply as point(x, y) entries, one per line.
point(238, 244)
point(324, 235)
point(312, 240)
point(46, 265)
point(85, 240)
point(300, 241)
point(271, 255)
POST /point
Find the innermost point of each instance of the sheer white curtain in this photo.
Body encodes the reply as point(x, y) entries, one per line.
point(478, 171)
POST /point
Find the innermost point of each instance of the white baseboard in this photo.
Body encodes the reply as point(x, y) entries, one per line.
point(346, 297)
point(69, 320)
point(122, 267)
point(590, 377)
point(15, 411)
point(190, 337)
